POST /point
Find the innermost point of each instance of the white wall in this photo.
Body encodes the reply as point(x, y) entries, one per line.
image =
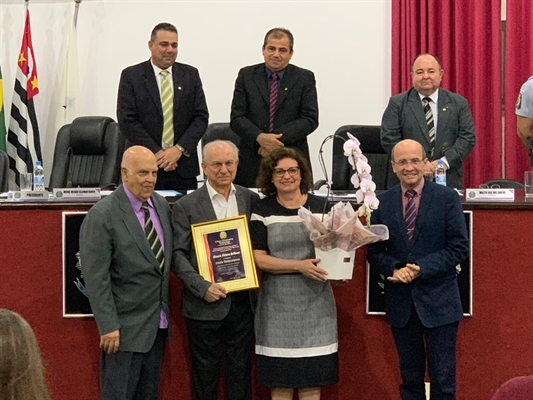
point(345, 43)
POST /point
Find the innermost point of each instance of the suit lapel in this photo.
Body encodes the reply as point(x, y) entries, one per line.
point(178, 80)
point(398, 207)
point(242, 204)
point(150, 84)
point(260, 79)
point(415, 105)
point(167, 231)
point(289, 79)
point(443, 119)
point(205, 204)
point(425, 200)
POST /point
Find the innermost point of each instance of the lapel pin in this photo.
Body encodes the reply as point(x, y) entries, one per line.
point(286, 89)
point(179, 87)
point(444, 109)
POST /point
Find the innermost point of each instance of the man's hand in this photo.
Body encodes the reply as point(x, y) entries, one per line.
point(167, 159)
point(415, 269)
point(215, 292)
point(309, 268)
point(110, 342)
point(402, 275)
point(268, 143)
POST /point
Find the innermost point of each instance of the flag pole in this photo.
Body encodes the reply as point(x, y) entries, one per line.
point(76, 12)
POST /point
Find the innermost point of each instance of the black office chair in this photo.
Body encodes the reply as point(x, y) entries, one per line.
point(220, 131)
point(87, 154)
point(504, 184)
point(378, 159)
point(4, 171)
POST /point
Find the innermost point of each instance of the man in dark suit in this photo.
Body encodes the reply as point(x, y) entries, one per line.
point(161, 105)
point(219, 325)
point(126, 281)
point(427, 240)
point(452, 138)
point(274, 104)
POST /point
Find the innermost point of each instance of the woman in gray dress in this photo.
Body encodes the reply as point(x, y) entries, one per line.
point(296, 318)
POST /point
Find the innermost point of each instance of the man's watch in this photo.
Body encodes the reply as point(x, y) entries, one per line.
point(183, 151)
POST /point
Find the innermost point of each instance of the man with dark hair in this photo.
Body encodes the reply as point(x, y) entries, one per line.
point(436, 118)
point(161, 105)
point(427, 240)
point(274, 104)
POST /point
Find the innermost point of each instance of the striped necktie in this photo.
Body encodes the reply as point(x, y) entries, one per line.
point(273, 100)
point(167, 103)
point(151, 236)
point(430, 122)
point(410, 214)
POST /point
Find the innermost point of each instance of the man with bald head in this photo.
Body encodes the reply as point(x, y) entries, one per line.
point(436, 118)
point(126, 253)
point(219, 324)
point(427, 240)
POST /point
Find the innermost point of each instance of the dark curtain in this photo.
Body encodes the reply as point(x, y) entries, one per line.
point(465, 36)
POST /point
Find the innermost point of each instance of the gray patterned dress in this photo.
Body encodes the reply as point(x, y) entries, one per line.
point(296, 317)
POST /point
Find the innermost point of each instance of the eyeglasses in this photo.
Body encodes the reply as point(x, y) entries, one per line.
point(279, 172)
point(415, 162)
point(218, 164)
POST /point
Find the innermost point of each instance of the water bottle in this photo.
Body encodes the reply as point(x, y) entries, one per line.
point(38, 177)
point(440, 173)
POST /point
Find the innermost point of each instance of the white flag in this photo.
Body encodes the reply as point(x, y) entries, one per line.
point(69, 81)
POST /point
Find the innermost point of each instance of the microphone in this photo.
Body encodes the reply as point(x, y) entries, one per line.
point(530, 150)
point(322, 164)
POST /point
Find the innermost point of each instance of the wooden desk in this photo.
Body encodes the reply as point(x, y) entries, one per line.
point(494, 344)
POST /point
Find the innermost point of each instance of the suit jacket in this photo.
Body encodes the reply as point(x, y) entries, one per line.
point(404, 118)
point(193, 209)
point(440, 243)
point(126, 287)
point(296, 114)
point(140, 114)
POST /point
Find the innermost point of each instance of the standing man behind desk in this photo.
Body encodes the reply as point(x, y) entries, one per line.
point(126, 251)
point(274, 104)
point(427, 239)
point(219, 325)
point(436, 118)
point(161, 105)
point(524, 112)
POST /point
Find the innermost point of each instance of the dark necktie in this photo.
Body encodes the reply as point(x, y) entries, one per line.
point(429, 121)
point(410, 214)
point(151, 236)
point(273, 100)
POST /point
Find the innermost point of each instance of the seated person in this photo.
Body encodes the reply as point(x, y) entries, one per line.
point(21, 368)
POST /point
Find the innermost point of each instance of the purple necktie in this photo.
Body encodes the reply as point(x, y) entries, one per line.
point(273, 100)
point(410, 214)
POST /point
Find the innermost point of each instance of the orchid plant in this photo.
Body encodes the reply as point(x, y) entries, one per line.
point(361, 179)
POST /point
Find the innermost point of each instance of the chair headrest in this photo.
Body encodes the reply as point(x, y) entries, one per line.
point(87, 135)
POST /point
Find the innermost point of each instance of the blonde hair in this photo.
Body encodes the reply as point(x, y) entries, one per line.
point(21, 367)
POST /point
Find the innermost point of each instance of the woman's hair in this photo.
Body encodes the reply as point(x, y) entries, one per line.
point(21, 367)
point(264, 179)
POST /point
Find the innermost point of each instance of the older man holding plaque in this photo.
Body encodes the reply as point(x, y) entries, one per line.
point(219, 324)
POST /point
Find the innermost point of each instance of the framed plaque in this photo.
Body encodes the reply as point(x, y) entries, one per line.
point(224, 253)
point(75, 300)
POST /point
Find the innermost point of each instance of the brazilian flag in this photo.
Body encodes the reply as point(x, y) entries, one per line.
point(2, 119)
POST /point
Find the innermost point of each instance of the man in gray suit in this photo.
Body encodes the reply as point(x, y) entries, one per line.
point(127, 280)
point(452, 138)
point(219, 324)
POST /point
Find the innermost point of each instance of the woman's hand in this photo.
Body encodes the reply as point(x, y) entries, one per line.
point(308, 268)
